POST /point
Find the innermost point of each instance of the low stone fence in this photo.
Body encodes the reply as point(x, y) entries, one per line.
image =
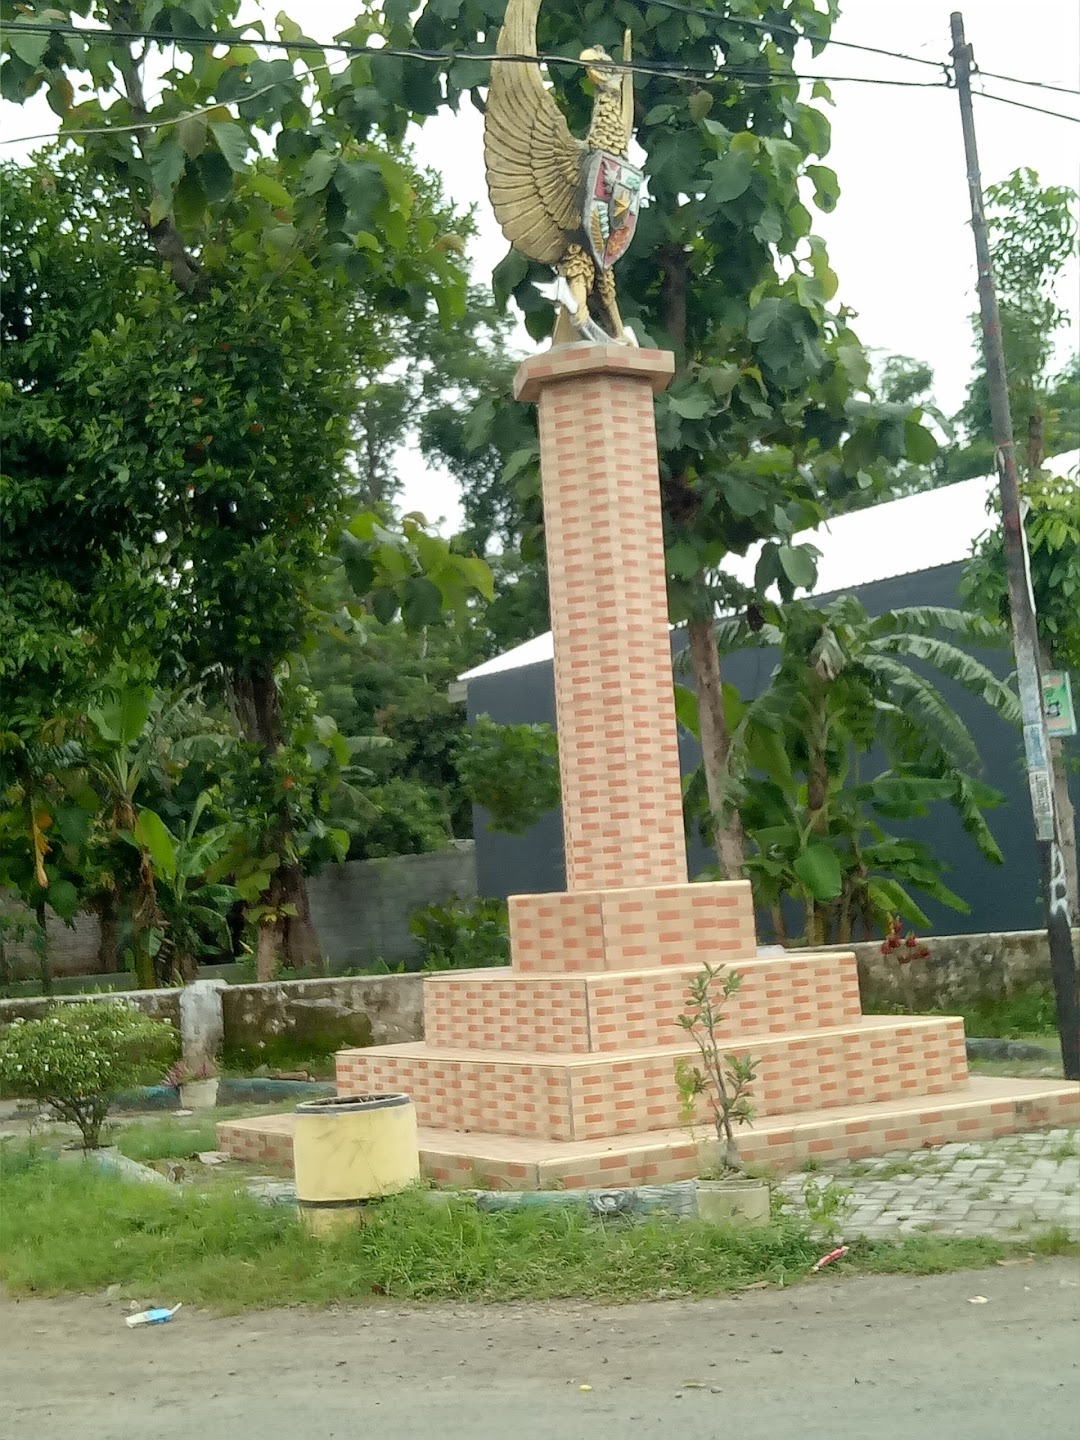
point(324, 1015)
point(962, 971)
point(318, 1016)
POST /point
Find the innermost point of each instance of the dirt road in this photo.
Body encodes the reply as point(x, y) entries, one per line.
point(890, 1359)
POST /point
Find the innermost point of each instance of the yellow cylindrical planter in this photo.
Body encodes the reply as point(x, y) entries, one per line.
point(349, 1150)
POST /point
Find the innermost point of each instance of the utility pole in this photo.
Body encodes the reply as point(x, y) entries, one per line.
point(1021, 599)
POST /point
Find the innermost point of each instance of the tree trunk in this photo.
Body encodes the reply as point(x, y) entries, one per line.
point(779, 925)
point(42, 949)
point(727, 831)
point(283, 938)
point(108, 955)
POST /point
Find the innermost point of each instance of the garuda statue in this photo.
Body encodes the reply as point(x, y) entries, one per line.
point(566, 203)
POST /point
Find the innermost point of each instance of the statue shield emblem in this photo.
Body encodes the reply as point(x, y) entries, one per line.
point(612, 200)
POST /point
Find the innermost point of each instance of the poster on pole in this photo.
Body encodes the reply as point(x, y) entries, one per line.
point(1058, 704)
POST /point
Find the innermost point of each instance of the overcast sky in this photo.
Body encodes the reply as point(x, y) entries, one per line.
point(899, 239)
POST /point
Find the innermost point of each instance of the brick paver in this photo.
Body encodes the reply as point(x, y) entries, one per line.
point(1006, 1188)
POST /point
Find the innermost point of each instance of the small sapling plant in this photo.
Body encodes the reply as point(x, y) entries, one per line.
point(725, 1080)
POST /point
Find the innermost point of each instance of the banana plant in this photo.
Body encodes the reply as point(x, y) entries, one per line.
point(797, 772)
point(191, 907)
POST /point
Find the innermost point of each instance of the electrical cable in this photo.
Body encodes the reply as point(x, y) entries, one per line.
point(1023, 105)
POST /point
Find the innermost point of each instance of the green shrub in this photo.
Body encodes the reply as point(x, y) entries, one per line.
point(462, 934)
point(78, 1057)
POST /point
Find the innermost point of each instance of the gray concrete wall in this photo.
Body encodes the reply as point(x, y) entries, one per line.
point(1002, 898)
point(361, 912)
point(72, 948)
point(361, 909)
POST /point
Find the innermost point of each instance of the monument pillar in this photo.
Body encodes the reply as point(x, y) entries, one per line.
point(618, 742)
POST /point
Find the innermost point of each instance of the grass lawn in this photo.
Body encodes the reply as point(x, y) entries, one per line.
point(1030, 1069)
point(68, 1228)
point(175, 1137)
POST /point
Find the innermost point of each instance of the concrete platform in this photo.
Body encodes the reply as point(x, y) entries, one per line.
point(984, 1108)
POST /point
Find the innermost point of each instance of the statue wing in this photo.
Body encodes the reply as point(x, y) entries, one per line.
point(534, 164)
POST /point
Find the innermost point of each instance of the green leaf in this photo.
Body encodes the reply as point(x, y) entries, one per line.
point(683, 560)
point(920, 447)
point(687, 712)
point(124, 718)
point(507, 276)
point(272, 191)
point(819, 870)
point(318, 172)
point(730, 175)
point(62, 895)
point(699, 104)
point(691, 406)
point(826, 186)
point(798, 565)
point(216, 175)
point(358, 565)
point(192, 135)
point(360, 185)
point(29, 48)
point(189, 200)
point(232, 142)
point(743, 498)
point(384, 606)
point(166, 166)
point(152, 832)
point(422, 603)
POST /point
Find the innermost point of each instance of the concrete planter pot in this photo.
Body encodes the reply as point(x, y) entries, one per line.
point(737, 1202)
point(348, 1151)
point(199, 1094)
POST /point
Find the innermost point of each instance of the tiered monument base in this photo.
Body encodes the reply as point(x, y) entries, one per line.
point(562, 1070)
point(530, 1079)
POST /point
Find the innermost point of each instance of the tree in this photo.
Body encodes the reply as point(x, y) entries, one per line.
point(1052, 528)
point(248, 436)
point(843, 685)
point(725, 271)
point(1032, 231)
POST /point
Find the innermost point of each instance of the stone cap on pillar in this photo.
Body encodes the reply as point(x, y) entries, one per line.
point(565, 362)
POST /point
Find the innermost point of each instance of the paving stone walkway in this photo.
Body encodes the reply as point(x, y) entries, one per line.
point(1006, 1188)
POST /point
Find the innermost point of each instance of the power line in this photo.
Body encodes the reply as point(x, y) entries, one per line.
point(660, 68)
point(757, 83)
point(1023, 105)
point(1011, 79)
point(777, 29)
point(655, 67)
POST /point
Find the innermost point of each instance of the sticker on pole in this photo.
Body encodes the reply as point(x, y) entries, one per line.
point(1058, 704)
point(1042, 803)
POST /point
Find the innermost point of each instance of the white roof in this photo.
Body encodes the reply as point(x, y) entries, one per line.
point(899, 537)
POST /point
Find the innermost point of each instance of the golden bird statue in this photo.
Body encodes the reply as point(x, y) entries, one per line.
point(563, 202)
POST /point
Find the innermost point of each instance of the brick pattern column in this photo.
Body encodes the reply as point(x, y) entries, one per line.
point(618, 748)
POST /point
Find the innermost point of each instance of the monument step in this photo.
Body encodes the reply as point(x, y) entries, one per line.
point(982, 1109)
point(595, 1095)
point(635, 928)
point(625, 1010)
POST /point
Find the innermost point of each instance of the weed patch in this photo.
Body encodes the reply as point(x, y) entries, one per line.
point(74, 1229)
